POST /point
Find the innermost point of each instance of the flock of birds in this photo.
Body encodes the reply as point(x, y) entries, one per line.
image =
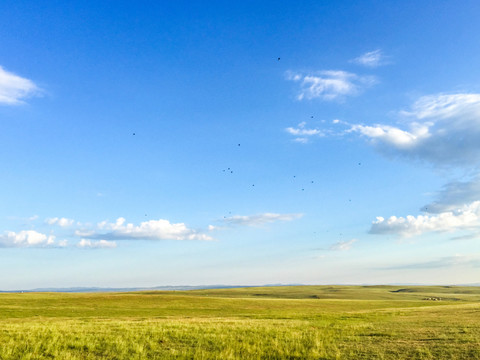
point(229, 170)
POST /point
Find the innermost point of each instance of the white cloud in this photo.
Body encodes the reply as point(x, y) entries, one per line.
point(301, 140)
point(464, 108)
point(330, 84)
point(105, 232)
point(343, 245)
point(454, 195)
point(303, 133)
point(148, 230)
point(99, 244)
point(25, 238)
point(371, 59)
point(85, 233)
point(440, 129)
point(301, 130)
point(400, 139)
point(63, 243)
point(62, 222)
point(466, 217)
point(13, 88)
point(260, 219)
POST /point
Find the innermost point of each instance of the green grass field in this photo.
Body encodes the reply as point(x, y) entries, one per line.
point(295, 322)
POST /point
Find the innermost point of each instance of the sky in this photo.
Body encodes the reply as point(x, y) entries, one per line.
point(243, 143)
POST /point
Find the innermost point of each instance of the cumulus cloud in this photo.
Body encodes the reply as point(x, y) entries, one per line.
point(329, 84)
point(25, 238)
point(62, 222)
point(443, 130)
point(260, 219)
point(96, 244)
point(372, 59)
point(466, 217)
point(343, 245)
point(103, 234)
point(14, 89)
point(148, 230)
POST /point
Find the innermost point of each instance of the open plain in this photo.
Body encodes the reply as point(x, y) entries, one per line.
point(291, 322)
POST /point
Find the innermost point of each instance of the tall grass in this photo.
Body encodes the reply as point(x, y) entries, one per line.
point(196, 326)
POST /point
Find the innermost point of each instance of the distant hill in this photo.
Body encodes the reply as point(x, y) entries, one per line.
point(202, 287)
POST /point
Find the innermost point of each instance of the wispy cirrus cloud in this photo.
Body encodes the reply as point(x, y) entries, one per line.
point(302, 133)
point(329, 84)
point(371, 59)
point(15, 89)
point(444, 262)
point(343, 245)
point(259, 219)
point(96, 244)
point(26, 238)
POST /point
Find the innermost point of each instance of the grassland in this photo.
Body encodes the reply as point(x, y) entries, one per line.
point(300, 322)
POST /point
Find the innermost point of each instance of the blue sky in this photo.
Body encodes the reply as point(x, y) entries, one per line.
point(168, 143)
